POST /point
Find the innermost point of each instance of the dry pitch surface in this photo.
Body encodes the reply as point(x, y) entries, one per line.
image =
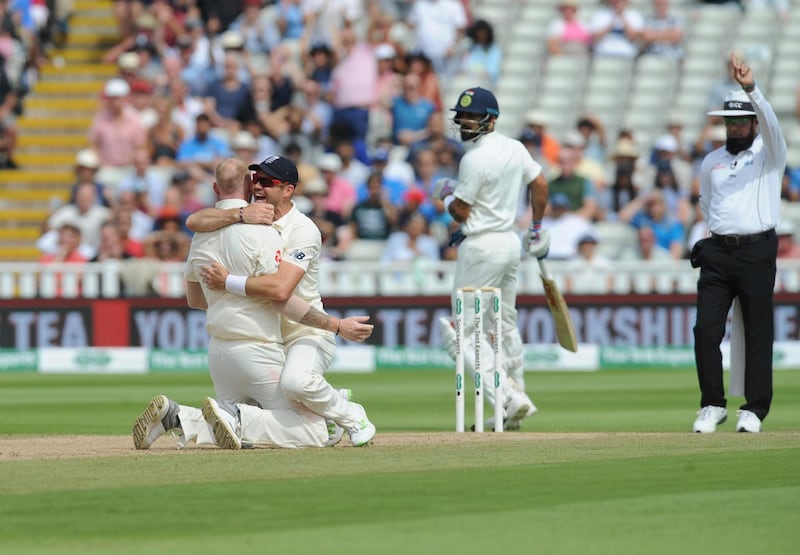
point(67, 447)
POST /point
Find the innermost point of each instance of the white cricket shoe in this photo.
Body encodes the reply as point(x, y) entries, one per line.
point(707, 419)
point(160, 416)
point(448, 336)
point(518, 406)
point(336, 432)
point(364, 430)
point(225, 423)
point(748, 422)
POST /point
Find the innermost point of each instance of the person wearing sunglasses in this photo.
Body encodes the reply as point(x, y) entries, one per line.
point(309, 352)
point(740, 190)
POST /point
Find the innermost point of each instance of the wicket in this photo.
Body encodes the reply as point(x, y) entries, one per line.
point(495, 339)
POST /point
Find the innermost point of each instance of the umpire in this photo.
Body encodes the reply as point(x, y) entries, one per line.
point(740, 189)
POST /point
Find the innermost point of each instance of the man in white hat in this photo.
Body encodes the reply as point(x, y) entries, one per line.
point(740, 193)
point(244, 146)
point(117, 131)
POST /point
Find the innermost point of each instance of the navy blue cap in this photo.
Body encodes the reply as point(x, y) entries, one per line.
point(477, 101)
point(278, 167)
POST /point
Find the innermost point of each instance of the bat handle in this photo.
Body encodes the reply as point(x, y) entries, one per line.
point(543, 269)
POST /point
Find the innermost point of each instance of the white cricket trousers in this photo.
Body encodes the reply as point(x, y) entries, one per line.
point(248, 374)
point(492, 260)
point(303, 379)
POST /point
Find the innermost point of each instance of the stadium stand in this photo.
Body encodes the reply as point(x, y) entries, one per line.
point(53, 127)
point(640, 95)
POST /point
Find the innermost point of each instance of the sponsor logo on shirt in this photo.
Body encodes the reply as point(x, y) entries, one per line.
point(297, 254)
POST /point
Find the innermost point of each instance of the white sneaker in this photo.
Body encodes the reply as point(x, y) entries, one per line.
point(224, 423)
point(748, 422)
point(448, 336)
point(708, 417)
point(160, 416)
point(364, 430)
point(518, 406)
point(335, 433)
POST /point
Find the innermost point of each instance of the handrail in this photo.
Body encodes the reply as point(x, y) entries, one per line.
point(147, 277)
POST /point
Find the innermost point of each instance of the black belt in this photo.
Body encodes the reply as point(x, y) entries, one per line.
point(738, 240)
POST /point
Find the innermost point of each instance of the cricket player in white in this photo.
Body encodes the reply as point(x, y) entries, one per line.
point(246, 353)
point(309, 352)
point(484, 200)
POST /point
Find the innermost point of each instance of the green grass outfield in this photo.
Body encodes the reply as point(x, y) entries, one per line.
point(606, 466)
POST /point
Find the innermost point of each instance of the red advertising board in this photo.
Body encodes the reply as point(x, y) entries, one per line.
point(642, 320)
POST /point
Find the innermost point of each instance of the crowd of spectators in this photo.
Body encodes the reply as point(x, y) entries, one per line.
point(352, 91)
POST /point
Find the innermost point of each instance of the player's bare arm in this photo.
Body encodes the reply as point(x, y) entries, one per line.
point(274, 287)
point(212, 219)
point(195, 297)
point(353, 328)
point(460, 210)
point(538, 196)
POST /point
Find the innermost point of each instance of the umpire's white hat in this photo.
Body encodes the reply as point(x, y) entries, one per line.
point(736, 103)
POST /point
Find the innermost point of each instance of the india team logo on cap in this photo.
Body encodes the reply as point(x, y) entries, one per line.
point(466, 99)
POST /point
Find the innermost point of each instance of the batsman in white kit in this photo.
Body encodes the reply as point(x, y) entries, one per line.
point(484, 200)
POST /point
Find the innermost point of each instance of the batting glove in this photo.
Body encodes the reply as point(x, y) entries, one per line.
point(444, 187)
point(538, 241)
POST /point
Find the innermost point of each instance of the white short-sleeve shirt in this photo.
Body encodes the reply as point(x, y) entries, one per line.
point(245, 250)
point(302, 244)
point(490, 179)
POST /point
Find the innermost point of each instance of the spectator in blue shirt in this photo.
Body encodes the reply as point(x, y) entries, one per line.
point(650, 210)
point(484, 57)
point(203, 150)
point(410, 113)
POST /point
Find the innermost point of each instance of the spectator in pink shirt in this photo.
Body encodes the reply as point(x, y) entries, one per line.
point(354, 85)
point(341, 193)
point(390, 84)
point(566, 34)
point(117, 132)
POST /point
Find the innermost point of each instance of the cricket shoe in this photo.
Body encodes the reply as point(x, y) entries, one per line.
point(160, 416)
point(748, 422)
point(364, 430)
point(448, 331)
point(708, 418)
point(225, 423)
point(518, 406)
point(336, 432)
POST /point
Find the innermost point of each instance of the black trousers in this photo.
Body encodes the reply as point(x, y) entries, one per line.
point(747, 271)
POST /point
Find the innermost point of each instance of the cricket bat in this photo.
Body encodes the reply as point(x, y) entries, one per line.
point(565, 328)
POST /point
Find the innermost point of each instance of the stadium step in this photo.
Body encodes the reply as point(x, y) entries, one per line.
point(102, 37)
point(33, 143)
point(28, 158)
point(19, 252)
point(54, 126)
point(36, 176)
point(24, 234)
point(77, 71)
point(95, 19)
point(32, 196)
point(35, 215)
point(91, 6)
point(61, 88)
point(47, 105)
point(77, 55)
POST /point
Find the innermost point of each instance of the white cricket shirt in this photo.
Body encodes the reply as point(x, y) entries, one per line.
point(741, 194)
point(490, 179)
point(302, 244)
point(245, 250)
